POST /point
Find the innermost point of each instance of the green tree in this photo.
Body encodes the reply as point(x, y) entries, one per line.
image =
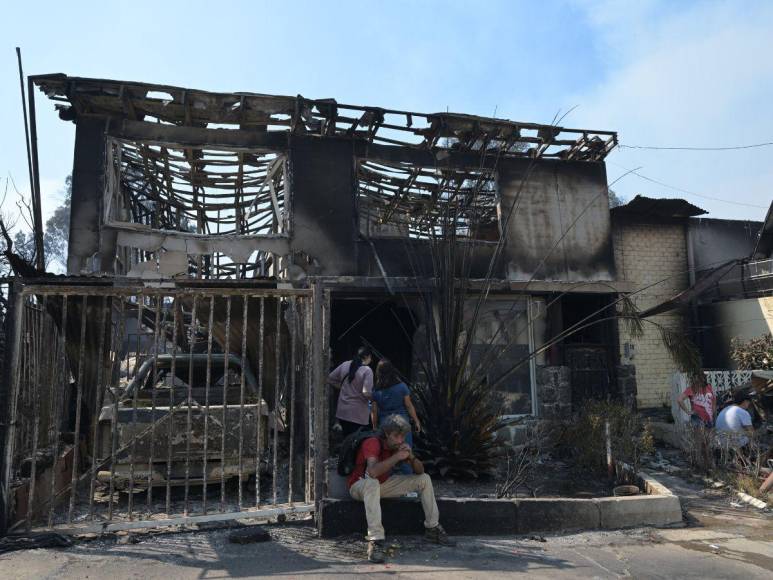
point(615, 200)
point(57, 230)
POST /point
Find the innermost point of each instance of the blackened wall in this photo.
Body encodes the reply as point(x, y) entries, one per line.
point(551, 200)
point(323, 186)
point(411, 257)
point(714, 241)
point(87, 195)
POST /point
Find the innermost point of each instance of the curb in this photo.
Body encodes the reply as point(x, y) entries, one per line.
point(465, 516)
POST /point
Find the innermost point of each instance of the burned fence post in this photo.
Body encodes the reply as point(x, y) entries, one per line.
point(9, 392)
point(318, 443)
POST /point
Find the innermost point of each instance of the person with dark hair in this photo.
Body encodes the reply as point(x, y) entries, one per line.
point(354, 379)
point(373, 478)
point(734, 423)
point(703, 403)
point(392, 397)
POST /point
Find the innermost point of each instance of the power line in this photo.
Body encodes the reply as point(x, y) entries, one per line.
point(729, 148)
point(688, 192)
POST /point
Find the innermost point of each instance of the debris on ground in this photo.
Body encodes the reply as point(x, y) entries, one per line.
point(34, 541)
point(249, 535)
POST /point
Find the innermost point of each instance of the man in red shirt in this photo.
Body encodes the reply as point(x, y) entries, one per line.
point(372, 479)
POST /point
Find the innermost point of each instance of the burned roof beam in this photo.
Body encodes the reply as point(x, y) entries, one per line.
point(325, 117)
point(183, 137)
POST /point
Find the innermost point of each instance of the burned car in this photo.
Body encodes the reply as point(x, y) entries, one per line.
point(171, 422)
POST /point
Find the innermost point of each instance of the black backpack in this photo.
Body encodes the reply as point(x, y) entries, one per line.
point(347, 457)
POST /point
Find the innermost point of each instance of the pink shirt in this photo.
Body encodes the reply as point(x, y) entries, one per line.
point(702, 403)
point(354, 397)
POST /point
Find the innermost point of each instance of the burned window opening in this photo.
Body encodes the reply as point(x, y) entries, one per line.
point(408, 200)
point(201, 191)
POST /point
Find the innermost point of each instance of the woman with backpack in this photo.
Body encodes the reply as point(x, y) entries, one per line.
point(354, 379)
point(392, 397)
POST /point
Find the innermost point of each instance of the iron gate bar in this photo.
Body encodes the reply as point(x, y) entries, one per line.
point(245, 308)
point(12, 422)
point(55, 408)
point(135, 370)
point(208, 380)
point(47, 369)
point(115, 338)
point(309, 403)
point(34, 345)
point(153, 395)
point(291, 423)
point(170, 426)
point(78, 401)
point(277, 350)
point(227, 349)
point(97, 403)
point(191, 347)
point(261, 333)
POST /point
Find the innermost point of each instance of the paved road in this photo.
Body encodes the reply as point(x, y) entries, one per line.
point(296, 552)
point(723, 539)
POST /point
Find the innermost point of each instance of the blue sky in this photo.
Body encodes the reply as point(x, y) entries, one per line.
point(659, 73)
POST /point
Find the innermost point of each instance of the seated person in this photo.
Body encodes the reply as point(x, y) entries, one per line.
point(373, 478)
point(734, 423)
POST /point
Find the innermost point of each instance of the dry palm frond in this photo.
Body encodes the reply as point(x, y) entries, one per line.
point(682, 350)
point(630, 315)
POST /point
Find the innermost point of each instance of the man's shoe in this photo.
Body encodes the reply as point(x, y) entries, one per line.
point(376, 552)
point(438, 535)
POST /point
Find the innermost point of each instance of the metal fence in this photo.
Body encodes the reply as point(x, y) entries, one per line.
point(143, 407)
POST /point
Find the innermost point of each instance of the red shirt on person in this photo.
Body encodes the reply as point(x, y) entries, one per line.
point(370, 447)
point(702, 403)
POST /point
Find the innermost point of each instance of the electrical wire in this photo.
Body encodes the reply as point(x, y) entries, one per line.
point(686, 191)
point(729, 148)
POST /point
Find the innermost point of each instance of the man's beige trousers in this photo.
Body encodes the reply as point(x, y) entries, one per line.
point(370, 491)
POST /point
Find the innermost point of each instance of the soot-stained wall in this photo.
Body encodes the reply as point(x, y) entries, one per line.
point(557, 198)
point(410, 257)
point(323, 186)
point(715, 241)
point(87, 186)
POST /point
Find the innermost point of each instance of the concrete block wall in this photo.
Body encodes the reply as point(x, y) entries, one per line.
point(554, 392)
point(651, 254)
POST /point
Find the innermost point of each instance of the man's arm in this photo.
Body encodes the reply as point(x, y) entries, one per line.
point(376, 468)
point(746, 422)
point(418, 466)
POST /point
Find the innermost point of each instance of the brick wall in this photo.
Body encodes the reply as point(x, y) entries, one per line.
point(648, 254)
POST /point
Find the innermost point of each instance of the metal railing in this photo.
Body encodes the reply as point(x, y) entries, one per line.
point(202, 410)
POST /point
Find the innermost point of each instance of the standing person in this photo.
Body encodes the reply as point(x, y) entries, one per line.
point(373, 479)
point(354, 379)
point(392, 397)
point(703, 403)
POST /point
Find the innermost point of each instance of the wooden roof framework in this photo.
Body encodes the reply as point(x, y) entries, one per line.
point(228, 184)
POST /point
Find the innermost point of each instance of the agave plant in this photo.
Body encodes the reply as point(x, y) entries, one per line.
point(460, 414)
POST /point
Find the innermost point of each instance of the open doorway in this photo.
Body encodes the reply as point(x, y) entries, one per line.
point(589, 352)
point(383, 322)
